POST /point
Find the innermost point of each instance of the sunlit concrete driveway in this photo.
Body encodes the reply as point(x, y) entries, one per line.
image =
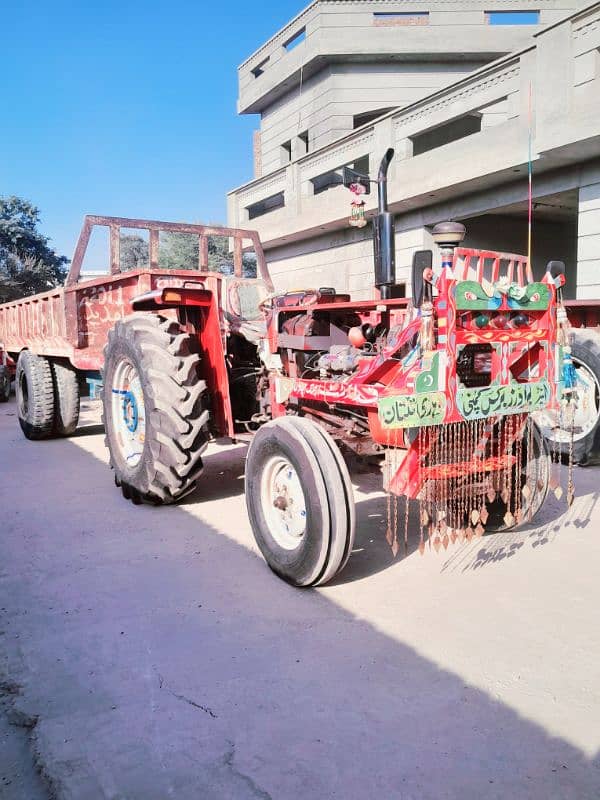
point(156, 656)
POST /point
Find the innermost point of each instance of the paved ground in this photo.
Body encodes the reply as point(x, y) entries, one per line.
point(152, 655)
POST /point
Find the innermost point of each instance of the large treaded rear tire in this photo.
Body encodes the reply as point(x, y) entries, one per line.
point(66, 398)
point(585, 346)
point(35, 395)
point(294, 467)
point(168, 365)
point(538, 479)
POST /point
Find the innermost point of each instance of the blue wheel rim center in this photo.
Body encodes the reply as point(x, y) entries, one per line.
point(130, 411)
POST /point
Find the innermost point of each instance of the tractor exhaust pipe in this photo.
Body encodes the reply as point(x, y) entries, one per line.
point(384, 234)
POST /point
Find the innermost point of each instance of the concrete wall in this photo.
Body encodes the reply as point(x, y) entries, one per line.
point(588, 242)
point(344, 260)
point(349, 30)
point(329, 101)
point(551, 241)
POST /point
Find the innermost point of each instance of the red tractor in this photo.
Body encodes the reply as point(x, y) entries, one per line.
point(440, 389)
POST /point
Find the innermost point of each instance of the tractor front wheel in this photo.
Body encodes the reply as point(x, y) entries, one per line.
point(299, 500)
point(154, 408)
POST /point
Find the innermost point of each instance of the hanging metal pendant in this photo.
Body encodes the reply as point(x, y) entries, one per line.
point(509, 520)
point(389, 536)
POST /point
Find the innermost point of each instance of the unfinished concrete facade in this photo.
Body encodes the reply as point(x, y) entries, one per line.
point(460, 130)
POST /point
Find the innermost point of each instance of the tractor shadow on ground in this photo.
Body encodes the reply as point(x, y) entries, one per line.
point(372, 553)
point(222, 476)
point(554, 520)
point(88, 430)
point(180, 634)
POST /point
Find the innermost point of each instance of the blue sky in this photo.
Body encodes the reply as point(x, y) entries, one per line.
point(127, 108)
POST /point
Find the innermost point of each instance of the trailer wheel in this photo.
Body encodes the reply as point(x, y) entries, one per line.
point(4, 385)
point(153, 408)
point(299, 500)
point(66, 398)
point(537, 480)
point(585, 345)
point(35, 395)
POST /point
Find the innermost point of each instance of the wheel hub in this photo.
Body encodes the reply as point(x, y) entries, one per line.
point(128, 412)
point(283, 502)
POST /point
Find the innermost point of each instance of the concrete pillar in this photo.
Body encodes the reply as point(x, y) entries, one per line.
point(588, 242)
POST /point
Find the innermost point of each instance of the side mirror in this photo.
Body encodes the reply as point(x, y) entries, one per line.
point(421, 260)
point(351, 176)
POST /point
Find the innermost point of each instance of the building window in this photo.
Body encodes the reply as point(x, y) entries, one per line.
point(333, 178)
point(285, 153)
point(296, 39)
point(303, 143)
point(444, 134)
point(369, 116)
point(392, 18)
point(266, 205)
point(258, 70)
point(512, 17)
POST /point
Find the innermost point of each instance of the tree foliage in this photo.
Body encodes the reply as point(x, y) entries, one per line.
point(133, 250)
point(27, 263)
point(181, 251)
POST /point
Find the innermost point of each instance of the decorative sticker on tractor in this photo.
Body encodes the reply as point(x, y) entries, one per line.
point(428, 379)
point(472, 296)
point(501, 400)
point(408, 411)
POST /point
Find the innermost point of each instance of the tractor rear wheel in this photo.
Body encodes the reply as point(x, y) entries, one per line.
point(585, 346)
point(154, 408)
point(533, 472)
point(35, 395)
point(299, 500)
point(66, 398)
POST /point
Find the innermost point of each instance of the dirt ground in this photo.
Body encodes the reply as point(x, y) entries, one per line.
point(149, 653)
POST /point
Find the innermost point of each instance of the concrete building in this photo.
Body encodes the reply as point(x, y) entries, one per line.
point(461, 92)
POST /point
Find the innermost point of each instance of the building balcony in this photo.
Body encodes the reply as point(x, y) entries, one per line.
point(470, 136)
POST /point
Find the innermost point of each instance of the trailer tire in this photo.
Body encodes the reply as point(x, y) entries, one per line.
point(66, 398)
point(292, 459)
point(162, 413)
point(35, 395)
point(4, 385)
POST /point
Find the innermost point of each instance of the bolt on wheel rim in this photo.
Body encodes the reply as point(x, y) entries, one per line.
point(283, 503)
point(587, 409)
point(128, 412)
